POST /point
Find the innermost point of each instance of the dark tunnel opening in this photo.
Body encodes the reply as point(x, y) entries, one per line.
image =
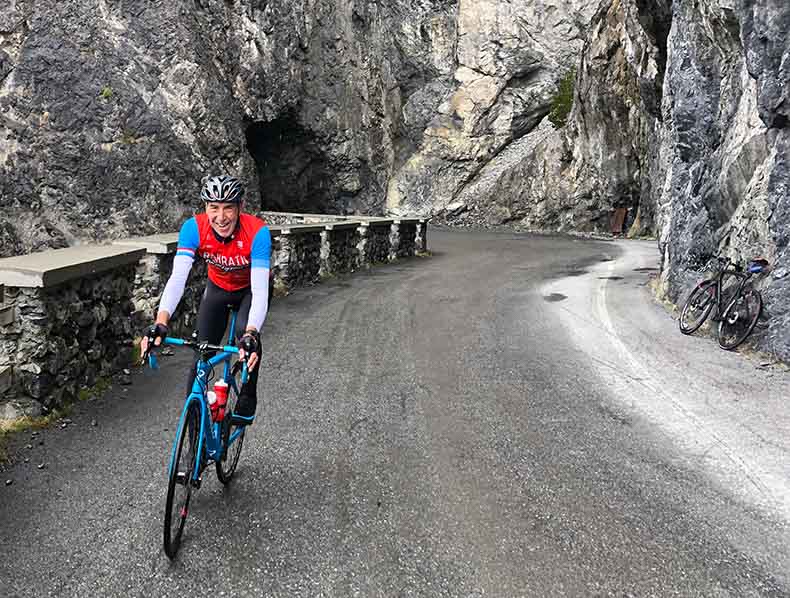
point(293, 172)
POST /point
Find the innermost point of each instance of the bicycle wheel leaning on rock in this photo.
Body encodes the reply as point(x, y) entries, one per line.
point(743, 311)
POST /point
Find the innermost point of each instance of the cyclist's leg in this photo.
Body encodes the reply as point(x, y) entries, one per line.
point(248, 396)
point(212, 319)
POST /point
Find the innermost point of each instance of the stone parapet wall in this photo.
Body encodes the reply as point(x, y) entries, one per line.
point(65, 337)
point(68, 317)
point(150, 279)
point(278, 218)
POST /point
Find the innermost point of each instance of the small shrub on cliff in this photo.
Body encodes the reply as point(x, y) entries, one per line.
point(106, 92)
point(562, 102)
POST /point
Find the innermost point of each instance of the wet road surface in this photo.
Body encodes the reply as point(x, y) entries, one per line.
point(513, 416)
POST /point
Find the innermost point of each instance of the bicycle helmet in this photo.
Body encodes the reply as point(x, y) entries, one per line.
point(226, 189)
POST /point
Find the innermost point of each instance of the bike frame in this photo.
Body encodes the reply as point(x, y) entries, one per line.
point(210, 434)
point(720, 285)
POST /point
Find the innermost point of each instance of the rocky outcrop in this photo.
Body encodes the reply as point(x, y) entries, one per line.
point(605, 157)
point(110, 112)
point(511, 57)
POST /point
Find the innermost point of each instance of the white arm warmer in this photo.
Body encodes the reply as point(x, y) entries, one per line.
point(174, 289)
point(259, 281)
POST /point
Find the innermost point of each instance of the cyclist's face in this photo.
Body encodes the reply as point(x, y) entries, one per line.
point(223, 217)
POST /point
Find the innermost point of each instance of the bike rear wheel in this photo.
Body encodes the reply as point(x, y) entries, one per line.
point(740, 318)
point(226, 465)
point(179, 488)
point(698, 306)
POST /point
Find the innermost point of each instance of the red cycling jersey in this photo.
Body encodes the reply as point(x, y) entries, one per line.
point(229, 261)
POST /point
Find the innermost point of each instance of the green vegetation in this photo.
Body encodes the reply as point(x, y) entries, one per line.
point(27, 423)
point(106, 92)
point(563, 101)
point(128, 136)
point(97, 389)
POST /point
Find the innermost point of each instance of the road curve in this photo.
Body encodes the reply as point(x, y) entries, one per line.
point(490, 421)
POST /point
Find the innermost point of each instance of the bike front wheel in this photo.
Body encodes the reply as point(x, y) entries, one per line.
point(698, 306)
point(232, 435)
point(179, 487)
point(740, 318)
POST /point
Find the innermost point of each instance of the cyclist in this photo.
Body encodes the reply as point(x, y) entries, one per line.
point(237, 248)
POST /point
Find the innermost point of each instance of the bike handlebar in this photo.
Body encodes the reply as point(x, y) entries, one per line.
point(201, 346)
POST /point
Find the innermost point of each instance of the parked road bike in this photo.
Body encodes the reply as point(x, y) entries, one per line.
point(737, 305)
point(205, 433)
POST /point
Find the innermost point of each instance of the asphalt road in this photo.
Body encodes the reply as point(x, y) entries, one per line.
point(513, 416)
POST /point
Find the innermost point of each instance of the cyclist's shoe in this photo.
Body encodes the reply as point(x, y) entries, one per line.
point(244, 413)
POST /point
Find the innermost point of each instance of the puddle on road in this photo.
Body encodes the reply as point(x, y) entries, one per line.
point(554, 297)
point(575, 272)
point(610, 278)
point(645, 269)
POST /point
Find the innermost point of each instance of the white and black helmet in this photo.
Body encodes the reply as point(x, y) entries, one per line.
point(223, 188)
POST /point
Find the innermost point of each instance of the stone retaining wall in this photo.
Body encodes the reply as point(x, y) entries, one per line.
point(68, 317)
point(150, 279)
point(65, 337)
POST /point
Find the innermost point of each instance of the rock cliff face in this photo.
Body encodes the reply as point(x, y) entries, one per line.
point(110, 113)
point(725, 148)
point(606, 156)
point(510, 57)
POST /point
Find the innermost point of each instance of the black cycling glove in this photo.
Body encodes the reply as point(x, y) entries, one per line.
point(250, 342)
point(156, 331)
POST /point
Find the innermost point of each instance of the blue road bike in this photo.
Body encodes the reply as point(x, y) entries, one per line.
point(199, 440)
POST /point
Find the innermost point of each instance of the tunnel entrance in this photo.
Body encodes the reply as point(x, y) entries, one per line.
point(293, 173)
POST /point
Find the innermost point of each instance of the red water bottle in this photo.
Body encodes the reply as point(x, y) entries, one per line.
point(221, 390)
point(211, 396)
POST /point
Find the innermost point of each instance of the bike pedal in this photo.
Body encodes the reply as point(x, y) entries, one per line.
point(181, 478)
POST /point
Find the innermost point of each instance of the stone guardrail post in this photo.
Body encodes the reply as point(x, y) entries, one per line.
point(324, 267)
point(363, 243)
point(394, 240)
point(421, 236)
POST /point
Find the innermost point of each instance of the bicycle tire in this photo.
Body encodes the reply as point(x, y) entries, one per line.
point(179, 481)
point(740, 318)
point(700, 302)
point(226, 464)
